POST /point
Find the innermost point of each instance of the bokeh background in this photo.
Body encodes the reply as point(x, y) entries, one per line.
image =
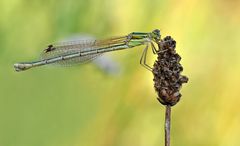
point(86, 106)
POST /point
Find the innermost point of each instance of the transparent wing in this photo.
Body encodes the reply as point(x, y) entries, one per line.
point(71, 47)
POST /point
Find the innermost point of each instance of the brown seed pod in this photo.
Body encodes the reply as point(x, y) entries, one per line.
point(167, 73)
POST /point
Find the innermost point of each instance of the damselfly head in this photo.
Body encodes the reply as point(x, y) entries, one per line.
point(156, 35)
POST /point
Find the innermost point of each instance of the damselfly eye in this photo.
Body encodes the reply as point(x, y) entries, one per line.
point(156, 31)
point(156, 34)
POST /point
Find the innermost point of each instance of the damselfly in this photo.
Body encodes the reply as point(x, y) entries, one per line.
point(68, 53)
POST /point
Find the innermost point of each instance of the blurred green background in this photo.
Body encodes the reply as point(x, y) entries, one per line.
point(84, 106)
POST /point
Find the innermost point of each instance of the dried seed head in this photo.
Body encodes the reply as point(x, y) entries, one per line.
point(167, 73)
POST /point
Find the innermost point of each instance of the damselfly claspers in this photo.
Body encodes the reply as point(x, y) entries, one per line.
point(68, 53)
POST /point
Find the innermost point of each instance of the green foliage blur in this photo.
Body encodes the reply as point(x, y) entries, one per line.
point(84, 106)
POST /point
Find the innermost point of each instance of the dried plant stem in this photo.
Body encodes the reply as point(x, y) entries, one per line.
point(167, 125)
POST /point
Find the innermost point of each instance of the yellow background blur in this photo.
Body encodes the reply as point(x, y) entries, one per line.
point(83, 106)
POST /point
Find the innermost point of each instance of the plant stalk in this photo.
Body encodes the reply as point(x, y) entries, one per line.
point(167, 125)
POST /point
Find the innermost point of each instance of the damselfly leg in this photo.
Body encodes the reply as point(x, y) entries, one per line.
point(143, 59)
point(154, 50)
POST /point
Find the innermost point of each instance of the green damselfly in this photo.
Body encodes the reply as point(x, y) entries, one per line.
point(68, 53)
